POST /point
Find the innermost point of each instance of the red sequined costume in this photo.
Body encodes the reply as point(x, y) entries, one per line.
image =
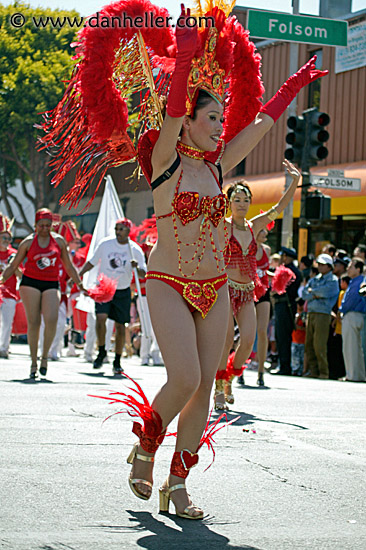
point(187, 206)
point(262, 267)
point(235, 257)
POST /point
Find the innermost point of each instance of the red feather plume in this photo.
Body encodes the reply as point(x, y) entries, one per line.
point(104, 290)
point(282, 277)
point(209, 432)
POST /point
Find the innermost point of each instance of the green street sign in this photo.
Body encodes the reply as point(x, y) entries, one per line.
point(297, 28)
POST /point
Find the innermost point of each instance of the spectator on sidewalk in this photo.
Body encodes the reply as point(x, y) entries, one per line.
point(340, 265)
point(353, 308)
point(360, 252)
point(335, 353)
point(113, 254)
point(298, 339)
point(285, 310)
point(321, 294)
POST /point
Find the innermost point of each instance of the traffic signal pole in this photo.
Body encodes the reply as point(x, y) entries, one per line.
point(287, 221)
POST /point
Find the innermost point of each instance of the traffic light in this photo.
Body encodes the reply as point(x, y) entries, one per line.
point(295, 139)
point(317, 206)
point(316, 135)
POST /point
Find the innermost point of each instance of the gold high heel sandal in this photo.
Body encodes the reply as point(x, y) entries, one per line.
point(164, 499)
point(229, 398)
point(131, 480)
point(220, 392)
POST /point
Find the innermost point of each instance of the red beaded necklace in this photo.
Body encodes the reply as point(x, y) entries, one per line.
point(189, 151)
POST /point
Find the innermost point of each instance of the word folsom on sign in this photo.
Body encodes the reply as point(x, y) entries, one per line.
point(336, 182)
point(297, 28)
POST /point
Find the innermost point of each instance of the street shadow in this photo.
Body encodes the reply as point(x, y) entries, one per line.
point(191, 535)
point(31, 381)
point(246, 419)
point(101, 374)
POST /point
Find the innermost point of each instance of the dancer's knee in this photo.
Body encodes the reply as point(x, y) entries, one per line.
point(186, 383)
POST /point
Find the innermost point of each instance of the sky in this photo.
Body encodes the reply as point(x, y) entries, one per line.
point(88, 7)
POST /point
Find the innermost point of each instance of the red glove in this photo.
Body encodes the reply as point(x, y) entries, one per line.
point(186, 38)
point(282, 99)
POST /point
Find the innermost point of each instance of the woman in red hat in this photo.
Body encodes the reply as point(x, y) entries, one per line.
point(8, 290)
point(39, 287)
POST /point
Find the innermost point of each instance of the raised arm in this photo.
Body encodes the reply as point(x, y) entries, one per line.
point(259, 222)
point(164, 151)
point(239, 147)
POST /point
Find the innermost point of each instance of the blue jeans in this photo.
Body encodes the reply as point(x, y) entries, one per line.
point(297, 358)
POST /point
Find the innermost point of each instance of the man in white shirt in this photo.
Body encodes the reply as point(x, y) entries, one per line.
point(113, 254)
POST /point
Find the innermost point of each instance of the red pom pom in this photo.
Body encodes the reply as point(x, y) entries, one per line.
point(281, 279)
point(104, 290)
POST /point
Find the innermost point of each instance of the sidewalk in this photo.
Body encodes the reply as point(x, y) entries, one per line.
point(289, 475)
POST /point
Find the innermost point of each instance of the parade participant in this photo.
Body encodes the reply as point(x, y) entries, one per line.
point(71, 235)
point(113, 256)
point(39, 287)
point(149, 349)
point(8, 290)
point(244, 284)
point(186, 282)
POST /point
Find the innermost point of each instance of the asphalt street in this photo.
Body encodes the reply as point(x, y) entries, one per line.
point(288, 475)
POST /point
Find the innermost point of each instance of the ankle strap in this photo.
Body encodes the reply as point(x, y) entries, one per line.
point(176, 487)
point(144, 458)
point(182, 462)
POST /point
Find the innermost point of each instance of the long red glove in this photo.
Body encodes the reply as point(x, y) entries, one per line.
point(282, 99)
point(186, 38)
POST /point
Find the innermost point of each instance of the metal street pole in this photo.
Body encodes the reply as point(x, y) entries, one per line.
point(287, 222)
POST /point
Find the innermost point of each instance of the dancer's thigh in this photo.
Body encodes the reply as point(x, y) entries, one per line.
point(174, 328)
point(247, 323)
point(50, 305)
point(31, 298)
point(262, 311)
point(211, 337)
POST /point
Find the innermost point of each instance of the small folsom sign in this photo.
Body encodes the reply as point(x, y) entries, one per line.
point(340, 182)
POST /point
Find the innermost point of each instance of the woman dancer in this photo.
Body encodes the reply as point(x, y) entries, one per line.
point(39, 287)
point(243, 281)
point(186, 282)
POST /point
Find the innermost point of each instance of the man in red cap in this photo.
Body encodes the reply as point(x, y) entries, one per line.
point(117, 257)
point(8, 289)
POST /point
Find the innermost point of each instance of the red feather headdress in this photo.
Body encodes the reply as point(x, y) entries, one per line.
point(89, 127)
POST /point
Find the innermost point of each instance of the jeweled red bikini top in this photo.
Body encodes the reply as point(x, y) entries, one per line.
point(188, 206)
point(236, 257)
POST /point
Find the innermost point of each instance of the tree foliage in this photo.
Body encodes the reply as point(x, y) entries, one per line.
point(34, 63)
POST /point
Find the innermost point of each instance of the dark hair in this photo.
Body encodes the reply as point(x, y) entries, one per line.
point(345, 278)
point(300, 301)
point(203, 99)
point(359, 263)
point(307, 260)
point(236, 186)
point(330, 248)
point(362, 248)
point(314, 269)
point(341, 253)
